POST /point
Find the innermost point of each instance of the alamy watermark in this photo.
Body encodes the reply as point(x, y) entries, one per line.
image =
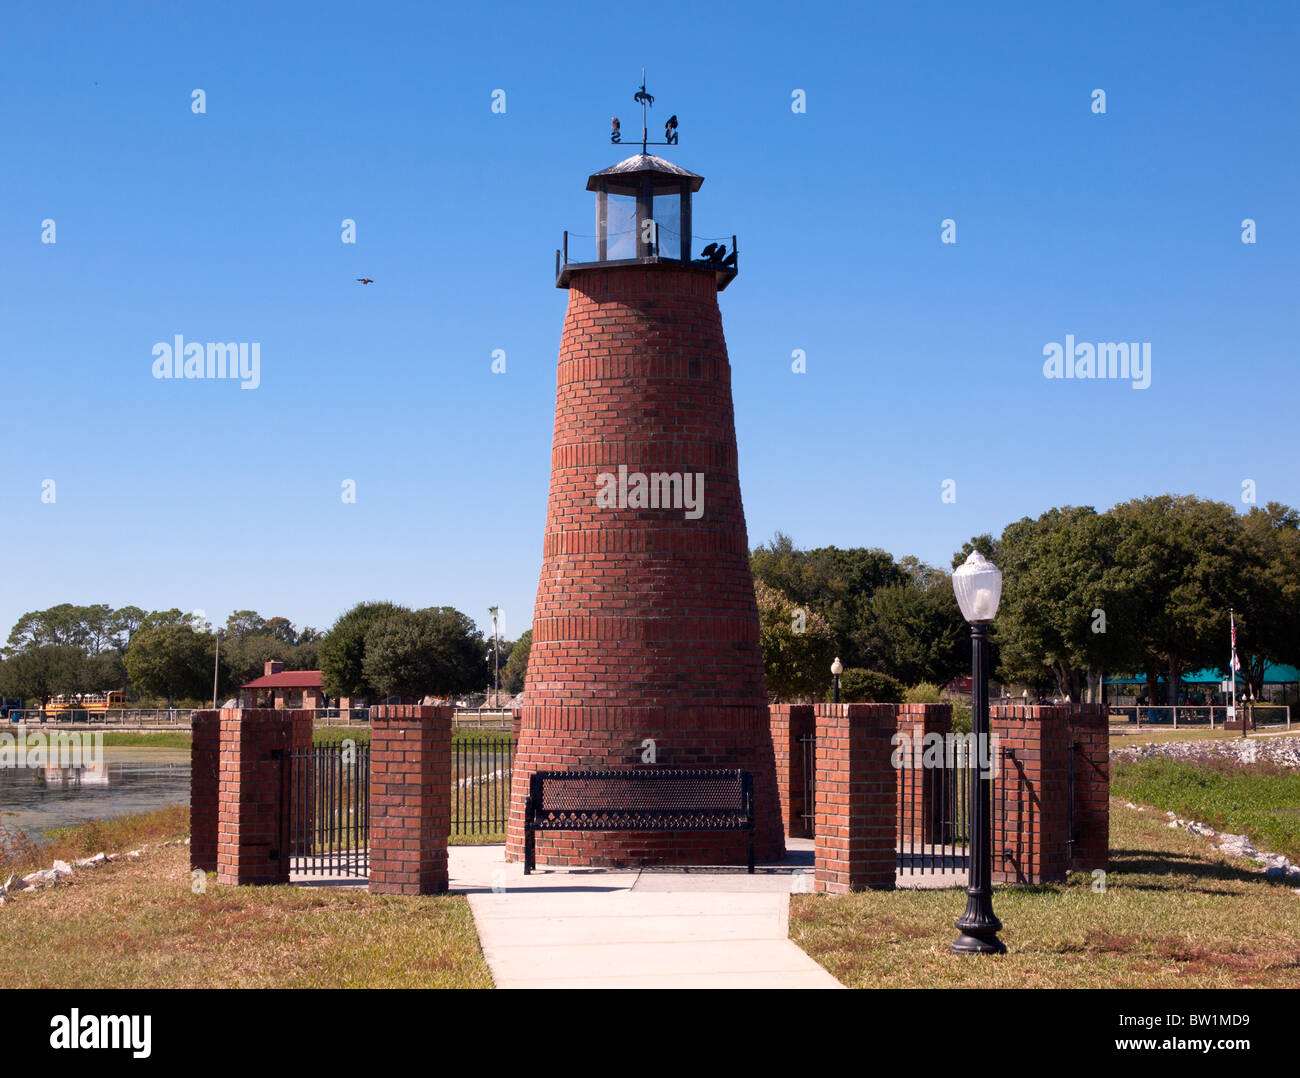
point(937, 751)
point(214, 360)
point(1118, 361)
point(38, 750)
point(658, 490)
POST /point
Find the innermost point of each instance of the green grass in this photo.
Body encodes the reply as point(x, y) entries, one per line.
point(1260, 800)
point(1122, 737)
point(333, 735)
point(1175, 914)
point(336, 735)
point(164, 739)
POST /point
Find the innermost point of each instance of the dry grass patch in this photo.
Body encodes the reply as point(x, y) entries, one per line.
point(21, 853)
point(1175, 914)
point(137, 923)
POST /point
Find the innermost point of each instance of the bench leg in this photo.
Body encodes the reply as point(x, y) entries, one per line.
point(751, 853)
point(529, 852)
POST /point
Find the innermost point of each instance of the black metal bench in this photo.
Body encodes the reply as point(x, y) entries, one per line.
point(639, 799)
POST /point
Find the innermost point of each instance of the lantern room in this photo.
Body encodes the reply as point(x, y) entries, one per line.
point(643, 216)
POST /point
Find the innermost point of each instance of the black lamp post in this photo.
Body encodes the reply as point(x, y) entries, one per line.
point(978, 586)
point(837, 668)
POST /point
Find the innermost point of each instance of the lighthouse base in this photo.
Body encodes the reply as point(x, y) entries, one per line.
point(557, 738)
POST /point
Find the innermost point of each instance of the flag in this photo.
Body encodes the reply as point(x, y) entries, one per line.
point(1235, 665)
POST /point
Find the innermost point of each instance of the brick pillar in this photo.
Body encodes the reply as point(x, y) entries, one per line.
point(410, 798)
point(1030, 794)
point(919, 798)
point(1090, 734)
point(253, 818)
point(205, 742)
point(856, 797)
point(790, 723)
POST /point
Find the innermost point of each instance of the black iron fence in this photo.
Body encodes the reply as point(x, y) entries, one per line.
point(808, 812)
point(933, 814)
point(329, 790)
point(480, 786)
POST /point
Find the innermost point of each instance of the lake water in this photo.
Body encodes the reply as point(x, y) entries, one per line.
point(124, 780)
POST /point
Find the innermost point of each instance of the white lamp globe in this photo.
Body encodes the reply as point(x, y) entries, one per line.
point(977, 583)
point(837, 667)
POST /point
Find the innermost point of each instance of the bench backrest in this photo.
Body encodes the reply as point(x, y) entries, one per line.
point(644, 790)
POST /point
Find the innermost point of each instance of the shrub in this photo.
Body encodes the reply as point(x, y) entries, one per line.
point(927, 693)
point(961, 720)
point(859, 686)
point(924, 693)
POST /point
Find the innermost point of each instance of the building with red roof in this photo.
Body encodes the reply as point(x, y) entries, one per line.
point(278, 687)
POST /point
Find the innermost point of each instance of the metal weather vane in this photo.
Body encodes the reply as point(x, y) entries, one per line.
point(646, 101)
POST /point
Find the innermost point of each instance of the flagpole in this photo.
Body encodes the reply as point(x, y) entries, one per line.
point(1232, 667)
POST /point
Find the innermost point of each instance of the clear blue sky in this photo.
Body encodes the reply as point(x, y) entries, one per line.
point(924, 360)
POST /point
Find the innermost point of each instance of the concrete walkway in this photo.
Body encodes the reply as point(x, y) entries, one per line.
point(649, 928)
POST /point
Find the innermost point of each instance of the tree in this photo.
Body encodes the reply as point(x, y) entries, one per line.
point(172, 617)
point(245, 657)
point(171, 660)
point(915, 630)
point(42, 671)
point(1268, 606)
point(515, 671)
point(798, 646)
point(90, 628)
point(411, 654)
point(837, 584)
point(282, 629)
point(1068, 604)
point(306, 656)
point(126, 620)
point(103, 671)
point(1186, 566)
point(459, 650)
point(244, 623)
point(343, 651)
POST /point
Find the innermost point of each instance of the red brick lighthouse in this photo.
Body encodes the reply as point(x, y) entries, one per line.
point(645, 630)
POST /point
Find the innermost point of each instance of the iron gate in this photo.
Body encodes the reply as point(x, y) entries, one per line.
point(808, 810)
point(933, 832)
point(330, 810)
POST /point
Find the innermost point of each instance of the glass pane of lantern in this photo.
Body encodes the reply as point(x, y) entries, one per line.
point(668, 222)
point(622, 227)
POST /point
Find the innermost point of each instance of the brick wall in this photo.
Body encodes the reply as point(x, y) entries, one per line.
point(856, 797)
point(410, 798)
point(645, 624)
point(1090, 734)
point(205, 748)
point(253, 818)
point(789, 724)
point(1030, 797)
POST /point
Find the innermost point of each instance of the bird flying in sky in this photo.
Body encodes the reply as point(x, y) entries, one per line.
point(366, 280)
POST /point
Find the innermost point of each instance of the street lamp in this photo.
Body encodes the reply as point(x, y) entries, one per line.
point(216, 666)
point(496, 658)
point(837, 668)
point(977, 584)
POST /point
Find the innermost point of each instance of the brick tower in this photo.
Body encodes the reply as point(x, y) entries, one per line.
point(645, 626)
